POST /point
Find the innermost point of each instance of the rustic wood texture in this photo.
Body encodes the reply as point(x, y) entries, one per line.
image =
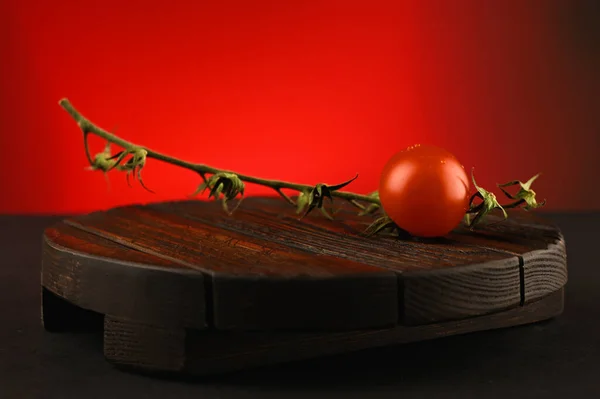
point(252, 283)
point(165, 272)
point(144, 346)
point(110, 279)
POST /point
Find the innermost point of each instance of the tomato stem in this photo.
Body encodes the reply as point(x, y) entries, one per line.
point(106, 162)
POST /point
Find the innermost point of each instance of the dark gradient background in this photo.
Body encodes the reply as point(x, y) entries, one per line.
point(306, 91)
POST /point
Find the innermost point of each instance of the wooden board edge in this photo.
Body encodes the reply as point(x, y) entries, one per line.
point(460, 292)
point(544, 271)
point(343, 303)
point(85, 280)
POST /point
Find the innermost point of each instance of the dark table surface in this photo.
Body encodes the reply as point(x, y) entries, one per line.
point(557, 358)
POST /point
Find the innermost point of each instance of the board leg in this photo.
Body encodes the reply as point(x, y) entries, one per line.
point(59, 315)
point(144, 347)
point(213, 352)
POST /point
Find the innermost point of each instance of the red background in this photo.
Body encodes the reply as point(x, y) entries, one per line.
point(304, 91)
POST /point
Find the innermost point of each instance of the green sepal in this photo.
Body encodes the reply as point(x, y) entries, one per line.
point(105, 161)
point(525, 193)
point(488, 204)
point(224, 186)
point(314, 199)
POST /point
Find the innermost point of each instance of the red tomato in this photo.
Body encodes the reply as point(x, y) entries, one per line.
point(424, 190)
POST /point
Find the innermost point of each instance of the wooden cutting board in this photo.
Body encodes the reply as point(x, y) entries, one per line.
point(183, 287)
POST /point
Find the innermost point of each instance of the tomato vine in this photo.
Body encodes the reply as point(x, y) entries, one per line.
point(225, 185)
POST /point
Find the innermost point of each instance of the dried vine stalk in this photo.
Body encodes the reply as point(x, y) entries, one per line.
point(225, 185)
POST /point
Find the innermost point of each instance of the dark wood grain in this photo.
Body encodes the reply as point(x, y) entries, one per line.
point(99, 275)
point(537, 244)
point(320, 236)
point(469, 279)
point(254, 283)
point(182, 286)
point(144, 346)
point(545, 271)
point(544, 264)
